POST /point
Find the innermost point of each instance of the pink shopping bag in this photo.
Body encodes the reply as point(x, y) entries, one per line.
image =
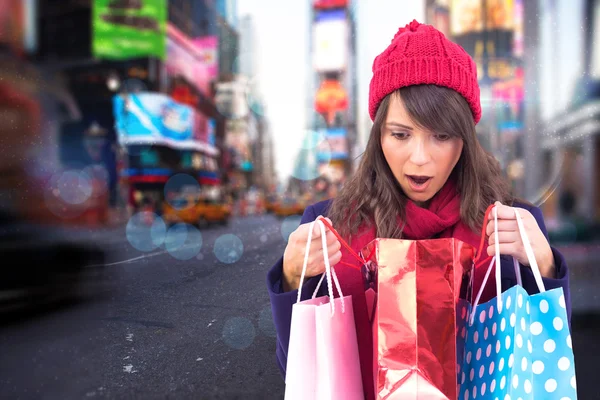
point(323, 361)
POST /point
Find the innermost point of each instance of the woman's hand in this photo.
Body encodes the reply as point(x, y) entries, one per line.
point(510, 241)
point(293, 257)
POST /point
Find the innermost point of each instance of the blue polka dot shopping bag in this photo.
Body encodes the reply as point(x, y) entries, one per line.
point(517, 346)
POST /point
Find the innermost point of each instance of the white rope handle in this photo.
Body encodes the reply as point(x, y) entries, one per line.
point(485, 279)
point(329, 270)
point(305, 264)
point(496, 261)
point(530, 256)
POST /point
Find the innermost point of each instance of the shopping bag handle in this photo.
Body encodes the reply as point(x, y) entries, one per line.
point(329, 270)
point(343, 243)
point(480, 252)
point(537, 275)
point(496, 260)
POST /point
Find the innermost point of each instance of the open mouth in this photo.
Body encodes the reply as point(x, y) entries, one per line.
point(419, 181)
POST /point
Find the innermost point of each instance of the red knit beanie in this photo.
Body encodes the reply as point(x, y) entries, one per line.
point(420, 54)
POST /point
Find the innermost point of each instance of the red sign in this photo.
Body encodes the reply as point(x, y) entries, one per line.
point(183, 95)
point(331, 98)
point(328, 4)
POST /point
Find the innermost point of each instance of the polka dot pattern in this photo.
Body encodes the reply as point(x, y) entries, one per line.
point(497, 348)
point(552, 356)
point(523, 351)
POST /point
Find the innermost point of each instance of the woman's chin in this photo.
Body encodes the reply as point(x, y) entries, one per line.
point(419, 199)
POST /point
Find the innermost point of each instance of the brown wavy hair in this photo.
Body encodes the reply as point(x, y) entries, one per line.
point(373, 196)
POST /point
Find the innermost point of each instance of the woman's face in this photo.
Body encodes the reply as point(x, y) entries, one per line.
point(421, 161)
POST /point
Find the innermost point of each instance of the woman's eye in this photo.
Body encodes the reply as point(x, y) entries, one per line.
point(400, 135)
point(442, 137)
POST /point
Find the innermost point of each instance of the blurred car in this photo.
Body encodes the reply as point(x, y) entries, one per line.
point(215, 207)
point(271, 203)
point(289, 206)
point(182, 210)
point(215, 212)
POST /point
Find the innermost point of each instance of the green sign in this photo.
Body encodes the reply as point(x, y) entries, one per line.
point(129, 28)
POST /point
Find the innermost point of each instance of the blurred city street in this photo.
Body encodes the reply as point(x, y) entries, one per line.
point(160, 327)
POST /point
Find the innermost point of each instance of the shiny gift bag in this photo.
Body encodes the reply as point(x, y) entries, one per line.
point(418, 287)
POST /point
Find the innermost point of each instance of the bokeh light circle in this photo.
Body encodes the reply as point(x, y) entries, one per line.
point(57, 190)
point(74, 187)
point(314, 152)
point(228, 248)
point(98, 176)
point(289, 225)
point(181, 191)
point(183, 241)
point(146, 231)
point(239, 333)
point(265, 322)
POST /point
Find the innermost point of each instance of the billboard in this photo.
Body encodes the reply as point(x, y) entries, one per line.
point(330, 41)
point(156, 119)
point(208, 51)
point(186, 60)
point(335, 145)
point(509, 98)
point(130, 29)
point(466, 17)
point(499, 14)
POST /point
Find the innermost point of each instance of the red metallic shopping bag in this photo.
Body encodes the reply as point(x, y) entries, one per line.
point(416, 287)
point(416, 295)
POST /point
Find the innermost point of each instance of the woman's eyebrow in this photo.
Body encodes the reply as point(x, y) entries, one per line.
point(398, 125)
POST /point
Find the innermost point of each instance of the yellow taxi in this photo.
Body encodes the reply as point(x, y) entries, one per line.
point(215, 207)
point(289, 206)
point(182, 210)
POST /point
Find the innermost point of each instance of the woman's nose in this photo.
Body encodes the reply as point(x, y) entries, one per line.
point(420, 153)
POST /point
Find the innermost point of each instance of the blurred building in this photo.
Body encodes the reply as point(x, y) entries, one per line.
point(144, 84)
point(492, 32)
point(248, 140)
point(570, 68)
point(327, 151)
point(227, 10)
point(263, 147)
point(540, 83)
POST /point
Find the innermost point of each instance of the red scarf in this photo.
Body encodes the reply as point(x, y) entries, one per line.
point(441, 219)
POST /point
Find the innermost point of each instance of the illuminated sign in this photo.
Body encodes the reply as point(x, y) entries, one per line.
point(330, 41)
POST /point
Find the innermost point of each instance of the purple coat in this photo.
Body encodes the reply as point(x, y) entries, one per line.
point(282, 302)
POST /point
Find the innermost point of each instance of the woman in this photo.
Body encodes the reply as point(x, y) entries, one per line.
point(423, 175)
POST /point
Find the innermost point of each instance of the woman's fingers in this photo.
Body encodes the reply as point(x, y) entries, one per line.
point(503, 225)
point(508, 249)
point(333, 247)
point(504, 237)
point(335, 258)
